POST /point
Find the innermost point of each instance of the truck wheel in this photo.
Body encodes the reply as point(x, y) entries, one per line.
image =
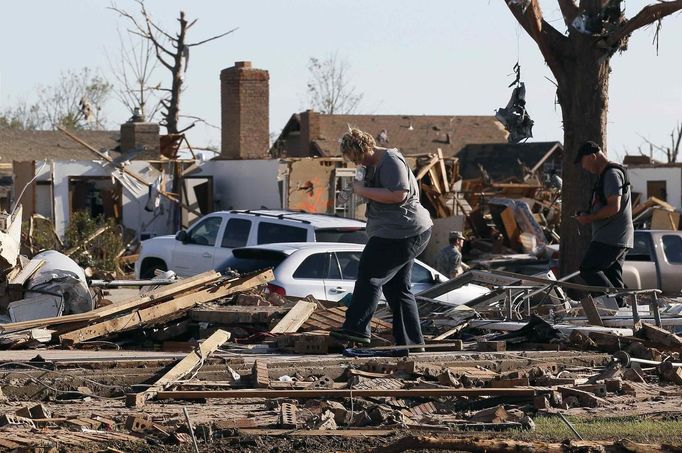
point(149, 265)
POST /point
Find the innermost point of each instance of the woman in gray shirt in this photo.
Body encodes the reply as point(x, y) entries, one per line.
point(399, 228)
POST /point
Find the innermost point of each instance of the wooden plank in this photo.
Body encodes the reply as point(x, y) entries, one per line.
point(27, 272)
point(591, 311)
point(511, 227)
point(163, 310)
point(443, 170)
point(348, 393)
point(425, 169)
point(435, 180)
point(181, 369)
point(154, 296)
point(94, 236)
point(293, 320)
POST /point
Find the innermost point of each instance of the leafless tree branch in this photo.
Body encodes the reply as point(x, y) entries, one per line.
point(648, 15)
point(546, 37)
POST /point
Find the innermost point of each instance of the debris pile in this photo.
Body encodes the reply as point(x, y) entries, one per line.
point(521, 350)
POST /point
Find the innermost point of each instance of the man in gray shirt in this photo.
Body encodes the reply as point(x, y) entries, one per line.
point(611, 219)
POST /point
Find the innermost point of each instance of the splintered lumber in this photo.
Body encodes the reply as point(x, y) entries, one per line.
point(333, 318)
point(164, 310)
point(181, 369)
point(94, 236)
point(660, 336)
point(347, 393)
point(159, 294)
point(443, 171)
point(425, 169)
point(26, 273)
point(591, 311)
point(293, 320)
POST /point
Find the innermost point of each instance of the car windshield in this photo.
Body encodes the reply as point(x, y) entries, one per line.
point(347, 235)
point(250, 260)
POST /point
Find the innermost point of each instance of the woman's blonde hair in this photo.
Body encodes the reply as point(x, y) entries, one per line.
point(355, 144)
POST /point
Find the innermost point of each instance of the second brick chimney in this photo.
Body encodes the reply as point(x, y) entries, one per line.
point(244, 105)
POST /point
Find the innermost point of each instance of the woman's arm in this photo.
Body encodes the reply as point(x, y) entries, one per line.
point(379, 194)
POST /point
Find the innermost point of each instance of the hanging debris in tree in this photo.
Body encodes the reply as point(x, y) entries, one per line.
point(514, 116)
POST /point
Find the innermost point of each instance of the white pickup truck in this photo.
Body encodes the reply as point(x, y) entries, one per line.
point(655, 261)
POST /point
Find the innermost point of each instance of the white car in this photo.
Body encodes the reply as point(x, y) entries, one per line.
point(210, 240)
point(328, 270)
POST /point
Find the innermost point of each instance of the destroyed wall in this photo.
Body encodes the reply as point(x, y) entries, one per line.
point(245, 184)
point(53, 182)
point(651, 179)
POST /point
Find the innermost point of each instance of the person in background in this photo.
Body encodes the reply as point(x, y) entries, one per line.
point(399, 229)
point(449, 259)
point(610, 215)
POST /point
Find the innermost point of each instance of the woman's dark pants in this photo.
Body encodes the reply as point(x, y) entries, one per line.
point(387, 264)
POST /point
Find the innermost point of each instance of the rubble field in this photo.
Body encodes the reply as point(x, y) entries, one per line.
point(217, 363)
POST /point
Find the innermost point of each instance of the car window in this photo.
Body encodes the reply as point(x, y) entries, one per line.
point(314, 266)
point(349, 262)
point(672, 247)
point(352, 236)
point(641, 250)
point(205, 232)
point(269, 233)
point(420, 274)
point(250, 260)
point(236, 233)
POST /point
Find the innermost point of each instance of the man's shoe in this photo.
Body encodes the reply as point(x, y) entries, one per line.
point(346, 335)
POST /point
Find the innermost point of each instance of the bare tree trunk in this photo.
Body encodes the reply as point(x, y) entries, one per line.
point(178, 73)
point(584, 104)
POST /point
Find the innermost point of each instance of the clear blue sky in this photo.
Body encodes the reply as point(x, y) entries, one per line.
point(407, 57)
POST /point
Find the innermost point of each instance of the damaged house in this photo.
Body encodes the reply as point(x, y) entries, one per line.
point(104, 175)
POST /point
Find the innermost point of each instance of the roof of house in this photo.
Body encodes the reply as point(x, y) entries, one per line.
point(412, 134)
point(500, 160)
point(26, 145)
point(21, 145)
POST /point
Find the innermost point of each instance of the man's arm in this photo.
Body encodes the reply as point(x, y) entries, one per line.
point(610, 209)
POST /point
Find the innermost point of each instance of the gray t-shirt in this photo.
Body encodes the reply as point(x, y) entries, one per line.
point(618, 229)
point(397, 220)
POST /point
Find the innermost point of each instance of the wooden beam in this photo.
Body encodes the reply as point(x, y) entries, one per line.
point(425, 169)
point(348, 393)
point(95, 235)
point(164, 310)
point(443, 171)
point(15, 284)
point(591, 311)
point(181, 369)
point(296, 317)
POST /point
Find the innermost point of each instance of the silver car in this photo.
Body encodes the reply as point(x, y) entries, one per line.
point(328, 270)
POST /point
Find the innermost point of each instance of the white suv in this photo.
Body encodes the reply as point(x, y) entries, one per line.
point(209, 242)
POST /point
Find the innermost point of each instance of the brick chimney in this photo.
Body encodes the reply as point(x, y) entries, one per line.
point(136, 134)
point(244, 104)
point(310, 131)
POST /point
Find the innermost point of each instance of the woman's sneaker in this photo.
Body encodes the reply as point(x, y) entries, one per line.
point(346, 335)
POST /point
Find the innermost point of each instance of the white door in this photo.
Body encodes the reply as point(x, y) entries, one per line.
point(343, 271)
point(235, 234)
point(308, 277)
point(195, 255)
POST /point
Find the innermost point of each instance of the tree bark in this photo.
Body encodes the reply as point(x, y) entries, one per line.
point(583, 95)
point(172, 115)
